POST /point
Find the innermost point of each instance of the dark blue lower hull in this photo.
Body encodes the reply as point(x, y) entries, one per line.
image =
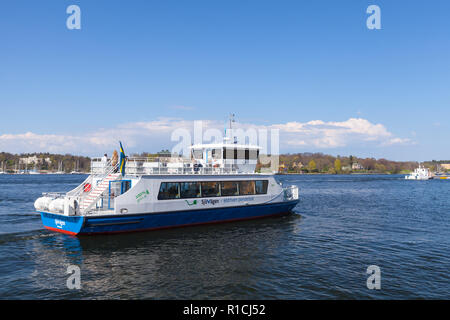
point(154, 221)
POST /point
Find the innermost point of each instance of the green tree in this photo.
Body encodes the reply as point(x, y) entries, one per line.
point(337, 165)
point(380, 168)
point(312, 166)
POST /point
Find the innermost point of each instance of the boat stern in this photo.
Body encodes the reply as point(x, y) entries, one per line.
point(61, 223)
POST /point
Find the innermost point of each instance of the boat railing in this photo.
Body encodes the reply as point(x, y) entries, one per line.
point(168, 165)
point(88, 198)
point(106, 169)
point(103, 203)
point(78, 190)
point(54, 195)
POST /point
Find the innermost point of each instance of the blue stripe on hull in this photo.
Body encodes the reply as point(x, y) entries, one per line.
point(181, 218)
point(149, 221)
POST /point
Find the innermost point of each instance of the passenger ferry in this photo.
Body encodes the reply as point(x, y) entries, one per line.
point(217, 184)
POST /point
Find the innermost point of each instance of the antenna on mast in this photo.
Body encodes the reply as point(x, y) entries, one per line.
point(231, 121)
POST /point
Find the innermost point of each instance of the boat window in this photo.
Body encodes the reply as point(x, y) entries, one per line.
point(229, 188)
point(216, 154)
point(169, 190)
point(177, 190)
point(190, 189)
point(115, 188)
point(210, 189)
point(246, 187)
point(126, 185)
point(197, 154)
point(247, 154)
point(240, 153)
point(253, 154)
point(230, 154)
point(261, 186)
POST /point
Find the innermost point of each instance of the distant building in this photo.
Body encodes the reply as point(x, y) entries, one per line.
point(297, 165)
point(445, 166)
point(164, 154)
point(357, 166)
point(346, 168)
point(34, 159)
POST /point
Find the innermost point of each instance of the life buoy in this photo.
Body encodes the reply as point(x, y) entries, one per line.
point(87, 187)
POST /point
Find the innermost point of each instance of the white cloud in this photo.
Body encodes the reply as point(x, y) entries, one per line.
point(31, 141)
point(320, 134)
point(154, 135)
point(398, 141)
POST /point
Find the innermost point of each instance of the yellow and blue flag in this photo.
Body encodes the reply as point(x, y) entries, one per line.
point(122, 160)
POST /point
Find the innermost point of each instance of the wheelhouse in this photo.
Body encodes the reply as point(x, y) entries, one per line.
point(240, 158)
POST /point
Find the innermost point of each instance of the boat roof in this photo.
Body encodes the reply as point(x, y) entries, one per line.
point(224, 145)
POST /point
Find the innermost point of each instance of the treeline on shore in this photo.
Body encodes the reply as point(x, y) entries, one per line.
point(322, 163)
point(43, 162)
point(288, 163)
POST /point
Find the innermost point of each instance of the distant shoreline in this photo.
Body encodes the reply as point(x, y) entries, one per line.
point(341, 174)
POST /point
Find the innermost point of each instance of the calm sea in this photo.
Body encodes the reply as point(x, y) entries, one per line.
point(342, 225)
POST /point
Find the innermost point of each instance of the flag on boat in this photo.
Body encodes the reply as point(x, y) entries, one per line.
point(122, 160)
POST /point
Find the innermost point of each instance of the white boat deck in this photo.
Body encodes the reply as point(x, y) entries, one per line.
point(177, 166)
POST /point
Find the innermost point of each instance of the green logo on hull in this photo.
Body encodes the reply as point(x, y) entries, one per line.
point(142, 195)
point(192, 203)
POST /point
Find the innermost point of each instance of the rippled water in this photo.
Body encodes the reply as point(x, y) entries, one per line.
point(342, 225)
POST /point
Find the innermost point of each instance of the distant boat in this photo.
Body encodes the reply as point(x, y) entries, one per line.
point(25, 171)
point(441, 176)
point(17, 169)
point(2, 169)
point(60, 169)
point(421, 173)
point(77, 170)
point(34, 171)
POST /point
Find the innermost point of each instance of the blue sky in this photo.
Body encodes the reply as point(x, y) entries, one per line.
point(135, 65)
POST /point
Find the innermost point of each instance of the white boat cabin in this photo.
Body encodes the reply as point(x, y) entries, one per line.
point(220, 158)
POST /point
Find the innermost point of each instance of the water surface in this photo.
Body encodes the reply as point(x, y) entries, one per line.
point(342, 225)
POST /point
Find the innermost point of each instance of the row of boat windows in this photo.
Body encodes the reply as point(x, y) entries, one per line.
point(184, 190)
point(228, 153)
